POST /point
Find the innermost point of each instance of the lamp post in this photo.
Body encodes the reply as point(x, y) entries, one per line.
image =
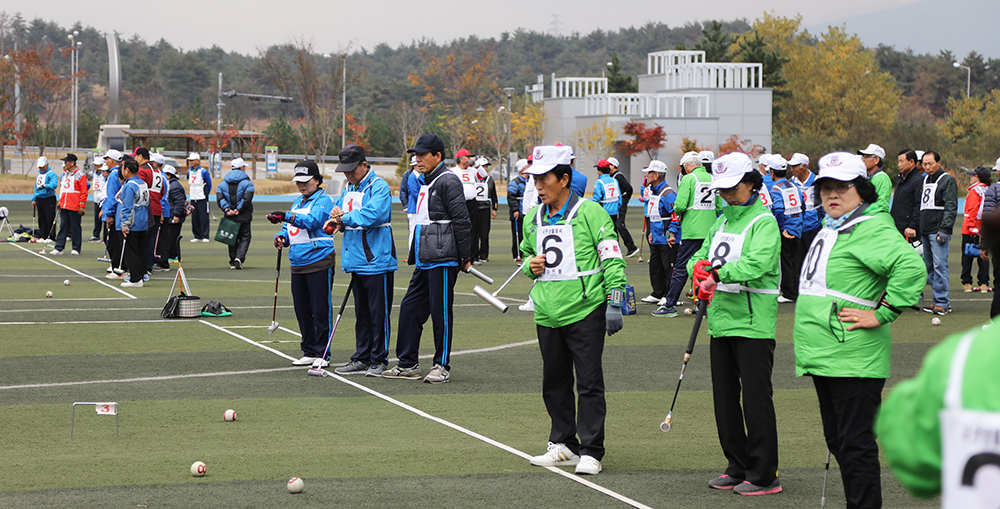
point(968, 79)
point(509, 92)
point(343, 104)
point(74, 66)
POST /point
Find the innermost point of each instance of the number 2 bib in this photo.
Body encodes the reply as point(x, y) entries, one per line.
point(481, 192)
point(703, 197)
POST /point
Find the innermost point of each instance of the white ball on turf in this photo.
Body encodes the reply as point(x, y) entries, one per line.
point(935, 321)
point(48, 294)
point(230, 415)
point(688, 311)
point(198, 469)
point(66, 283)
point(295, 485)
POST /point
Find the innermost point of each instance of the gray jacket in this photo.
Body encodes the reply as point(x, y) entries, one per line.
point(991, 199)
point(448, 238)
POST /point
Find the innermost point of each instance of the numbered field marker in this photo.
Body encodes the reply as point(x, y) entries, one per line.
point(101, 407)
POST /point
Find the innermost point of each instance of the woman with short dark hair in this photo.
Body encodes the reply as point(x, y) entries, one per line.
point(980, 182)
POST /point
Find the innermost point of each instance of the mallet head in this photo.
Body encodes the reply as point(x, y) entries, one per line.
point(272, 328)
point(317, 372)
point(665, 425)
point(490, 298)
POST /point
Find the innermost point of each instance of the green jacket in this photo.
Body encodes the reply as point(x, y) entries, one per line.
point(907, 424)
point(695, 224)
point(867, 259)
point(883, 184)
point(560, 303)
point(746, 314)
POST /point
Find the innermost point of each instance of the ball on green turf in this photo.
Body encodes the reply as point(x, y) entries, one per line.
point(295, 485)
point(66, 283)
point(198, 469)
point(230, 415)
point(48, 294)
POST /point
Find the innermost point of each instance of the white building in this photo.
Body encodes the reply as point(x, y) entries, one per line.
point(703, 101)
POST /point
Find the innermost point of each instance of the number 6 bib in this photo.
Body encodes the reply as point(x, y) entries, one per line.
point(555, 242)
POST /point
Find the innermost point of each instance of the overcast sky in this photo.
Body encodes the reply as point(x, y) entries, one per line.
point(250, 24)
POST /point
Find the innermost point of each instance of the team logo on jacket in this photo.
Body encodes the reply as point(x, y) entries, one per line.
point(833, 161)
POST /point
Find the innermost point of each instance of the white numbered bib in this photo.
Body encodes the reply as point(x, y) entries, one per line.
point(809, 196)
point(298, 235)
point(40, 181)
point(611, 192)
point(197, 185)
point(793, 202)
point(654, 209)
point(555, 242)
point(765, 198)
point(468, 178)
point(157, 182)
point(353, 200)
point(728, 248)
point(421, 216)
point(98, 185)
point(970, 448)
point(530, 198)
point(482, 192)
point(142, 195)
point(704, 198)
point(812, 279)
point(67, 183)
point(927, 196)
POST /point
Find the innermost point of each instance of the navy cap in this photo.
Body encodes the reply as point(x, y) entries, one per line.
point(428, 143)
point(69, 157)
point(350, 158)
point(306, 171)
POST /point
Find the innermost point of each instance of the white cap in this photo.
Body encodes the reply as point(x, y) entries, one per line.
point(728, 170)
point(4, 212)
point(873, 150)
point(997, 165)
point(113, 155)
point(42, 162)
point(238, 163)
point(413, 161)
point(546, 157)
point(842, 166)
point(657, 166)
point(614, 162)
point(104, 167)
point(158, 159)
point(194, 156)
point(689, 158)
point(482, 161)
point(169, 169)
point(776, 163)
point(799, 158)
point(920, 155)
point(521, 164)
point(706, 156)
point(762, 159)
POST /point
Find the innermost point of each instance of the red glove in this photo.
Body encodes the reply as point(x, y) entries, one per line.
point(706, 290)
point(700, 274)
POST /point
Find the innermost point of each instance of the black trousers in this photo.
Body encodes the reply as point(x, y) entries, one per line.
point(678, 279)
point(622, 230)
point(847, 407)
point(995, 305)
point(473, 207)
point(983, 274)
point(71, 224)
point(98, 224)
point(578, 346)
point(791, 264)
point(372, 305)
point(313, 309)
point(744, 365)
point(239, 251)
point(484, 218)
point(115, 249)
point(807, 239)
point(516, 236)
point(154, 238)
point(134, 250)
point(46, 208)
point(170, 245)
point(431, 294)
point(661, 265)
point(199, 219)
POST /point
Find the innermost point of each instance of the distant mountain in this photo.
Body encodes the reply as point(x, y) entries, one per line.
point(929, 26)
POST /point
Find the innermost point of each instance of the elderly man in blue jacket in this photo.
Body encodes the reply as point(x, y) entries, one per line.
point(364, 213)
point(235, 197)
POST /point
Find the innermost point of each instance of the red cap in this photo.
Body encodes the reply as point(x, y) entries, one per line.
point(603, 163)
point(462, 153)
point(530, 157)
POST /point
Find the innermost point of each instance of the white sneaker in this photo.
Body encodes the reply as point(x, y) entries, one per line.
point(74, 252)
point(56, 253)
point(649, 299)
point(783, 300)
point(204, 240)
point(129, 284)
point(662, 302)
point(114, 275)
point(557, 455)
point(195, 240)
point(304, 361)
point(320, 363)
point(527, 306)
point(588, 465)
point(110, 269)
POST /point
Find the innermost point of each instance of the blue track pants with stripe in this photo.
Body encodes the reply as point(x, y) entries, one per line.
point(313, 309)
point(372, 303)
point(431, 294)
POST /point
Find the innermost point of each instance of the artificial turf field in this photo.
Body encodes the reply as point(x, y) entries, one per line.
point(396, 444)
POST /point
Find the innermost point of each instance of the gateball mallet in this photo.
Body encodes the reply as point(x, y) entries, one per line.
point(491, 298)
point(277, 277)
point(826, 475)
point(480, 275)
point(321, 371)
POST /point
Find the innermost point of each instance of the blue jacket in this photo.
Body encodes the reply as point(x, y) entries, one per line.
point(792, 223)
point(46, 185)
point(404, 188)
point(320, 245)
point(515, 192)
point(579, 183)
point(367, 247)
point(130, 213)
point(412, 192)
point(810, 218)
point(109, 206)
point(244, 195)
point(657, 228)
point(604, 180)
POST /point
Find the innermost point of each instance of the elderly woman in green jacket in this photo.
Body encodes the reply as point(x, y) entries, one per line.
point(857, 277)
point(744, 243)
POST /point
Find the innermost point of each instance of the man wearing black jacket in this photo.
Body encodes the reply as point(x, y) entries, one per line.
point(626, 190)
point(170, 248)
point(938, 211)
point(441, 246)
point(905, 209)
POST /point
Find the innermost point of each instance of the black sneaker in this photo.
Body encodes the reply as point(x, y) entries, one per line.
point(724, 482)
point(748, 488)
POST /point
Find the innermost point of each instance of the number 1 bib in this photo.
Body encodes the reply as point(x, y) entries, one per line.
point(353, 200)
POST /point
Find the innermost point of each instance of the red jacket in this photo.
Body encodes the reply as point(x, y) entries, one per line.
point(73, 190)
point(154, 181)
point(972, 222)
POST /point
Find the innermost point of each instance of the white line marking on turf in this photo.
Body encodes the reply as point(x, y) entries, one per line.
point(50, 299)
point(449, 424)
point(119, 290)
point(150, 378)
point(83, 322)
